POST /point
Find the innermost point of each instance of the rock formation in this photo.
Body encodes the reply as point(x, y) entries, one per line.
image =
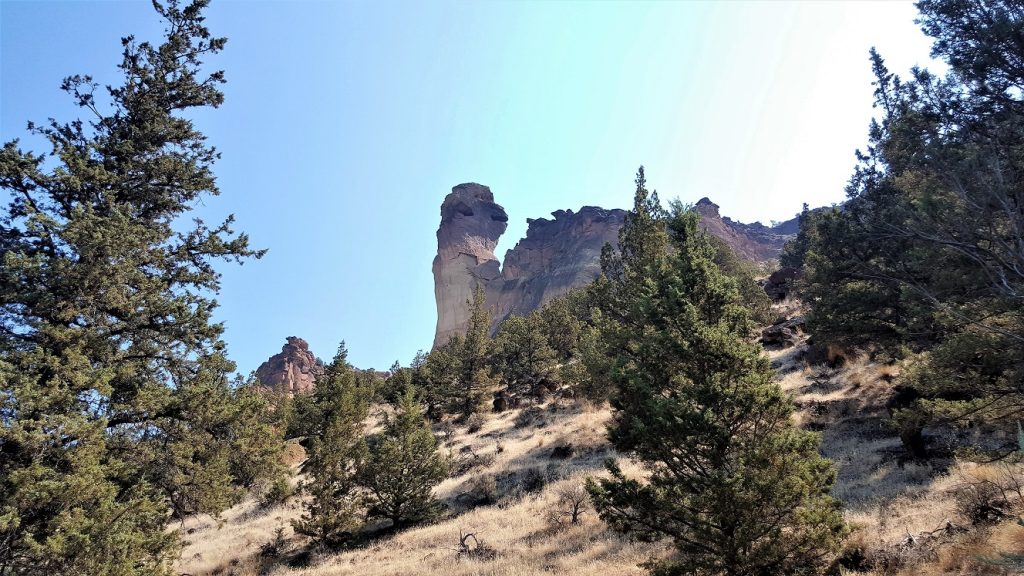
point(555, 256)
point(291, 372)
point(471, 224)
point(755, 242)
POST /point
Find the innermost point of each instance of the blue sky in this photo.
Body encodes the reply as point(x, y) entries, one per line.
point(346, 123)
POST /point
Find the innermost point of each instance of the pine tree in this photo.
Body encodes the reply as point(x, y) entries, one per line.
point(737, 487)
point(474, 372)
point(522, 356)
point(337, 451)
point(115, 403)
point(404, 466)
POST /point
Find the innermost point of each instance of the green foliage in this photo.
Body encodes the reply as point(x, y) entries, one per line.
point(116, 408)
point(743, 272)
point(474, 382)
point(928, 251)
point(301, 414)
point(522, 356)
point(394, 386)
point(404, 466)
point(795, 251)
point(456, 376)
point(336, 453)
point(732, 482)
point(561, 325)
point(439, 376)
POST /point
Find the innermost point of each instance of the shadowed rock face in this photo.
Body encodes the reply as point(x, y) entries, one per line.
point(557, 254)
point(291, 372)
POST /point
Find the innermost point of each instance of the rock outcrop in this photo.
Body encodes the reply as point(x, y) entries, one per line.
point(471, 224)
point(291, 372)
point(755, 242)
point(556, 255)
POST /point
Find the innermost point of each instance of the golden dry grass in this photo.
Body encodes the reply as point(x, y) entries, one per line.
point(886, 500)
point(517, 528)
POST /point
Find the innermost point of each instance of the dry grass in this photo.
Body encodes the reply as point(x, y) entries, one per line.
point(886, 499)
point(517, 528)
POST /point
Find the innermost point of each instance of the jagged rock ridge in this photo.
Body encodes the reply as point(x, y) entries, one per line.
point(292, 371)
point(555, 256)
point(755, 242)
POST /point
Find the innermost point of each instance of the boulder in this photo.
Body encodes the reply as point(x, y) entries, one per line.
point(780, 283)
point(785, 333)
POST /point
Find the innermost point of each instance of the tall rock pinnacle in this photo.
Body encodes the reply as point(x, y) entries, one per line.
point(471, 224)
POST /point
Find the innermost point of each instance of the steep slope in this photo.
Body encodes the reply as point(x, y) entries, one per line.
point(508, 476)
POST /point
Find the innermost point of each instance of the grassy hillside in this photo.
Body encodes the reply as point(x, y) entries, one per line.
point(909, 518)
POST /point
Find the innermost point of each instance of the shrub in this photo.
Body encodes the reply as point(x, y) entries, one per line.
point(474, 422)
point(987, 494)
point(571, 502)
point(483, 489)
point(528, 416)
point(278, 493)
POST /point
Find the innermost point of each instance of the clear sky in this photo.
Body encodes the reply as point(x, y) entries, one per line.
point(346, 123)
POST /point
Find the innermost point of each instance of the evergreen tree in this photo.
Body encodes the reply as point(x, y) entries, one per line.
point(737, 487)
point(404, 466)
point(474, 382)
point(522, 356)
point(927, 255)
point(561, 325)
point(439, 377)
point(743, 272)
point(394, 386)
point(336, 454)
point(795, 251)
point(115, 402)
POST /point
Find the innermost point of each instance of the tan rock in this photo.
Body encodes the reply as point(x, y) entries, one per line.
point(291, 372)
point(471, 224)
point(556, 255)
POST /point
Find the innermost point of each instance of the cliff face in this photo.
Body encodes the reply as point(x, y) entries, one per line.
point(291, 372)
point(755, 242)
point(557, 254)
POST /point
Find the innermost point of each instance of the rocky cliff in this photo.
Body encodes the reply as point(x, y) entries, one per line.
point(755, 242)
point(556, 255)
point(291, 372)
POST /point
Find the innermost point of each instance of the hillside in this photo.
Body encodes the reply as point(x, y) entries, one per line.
point(908, 518)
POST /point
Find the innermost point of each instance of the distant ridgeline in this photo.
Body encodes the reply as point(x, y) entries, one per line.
point(556, 255)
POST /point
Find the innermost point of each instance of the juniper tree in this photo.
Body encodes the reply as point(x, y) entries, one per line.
point(732, 482)
point(404, 466)
point(337, 451)
point(116, 411)
point(475, 380)
point(522, 356)
point(927, 255)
